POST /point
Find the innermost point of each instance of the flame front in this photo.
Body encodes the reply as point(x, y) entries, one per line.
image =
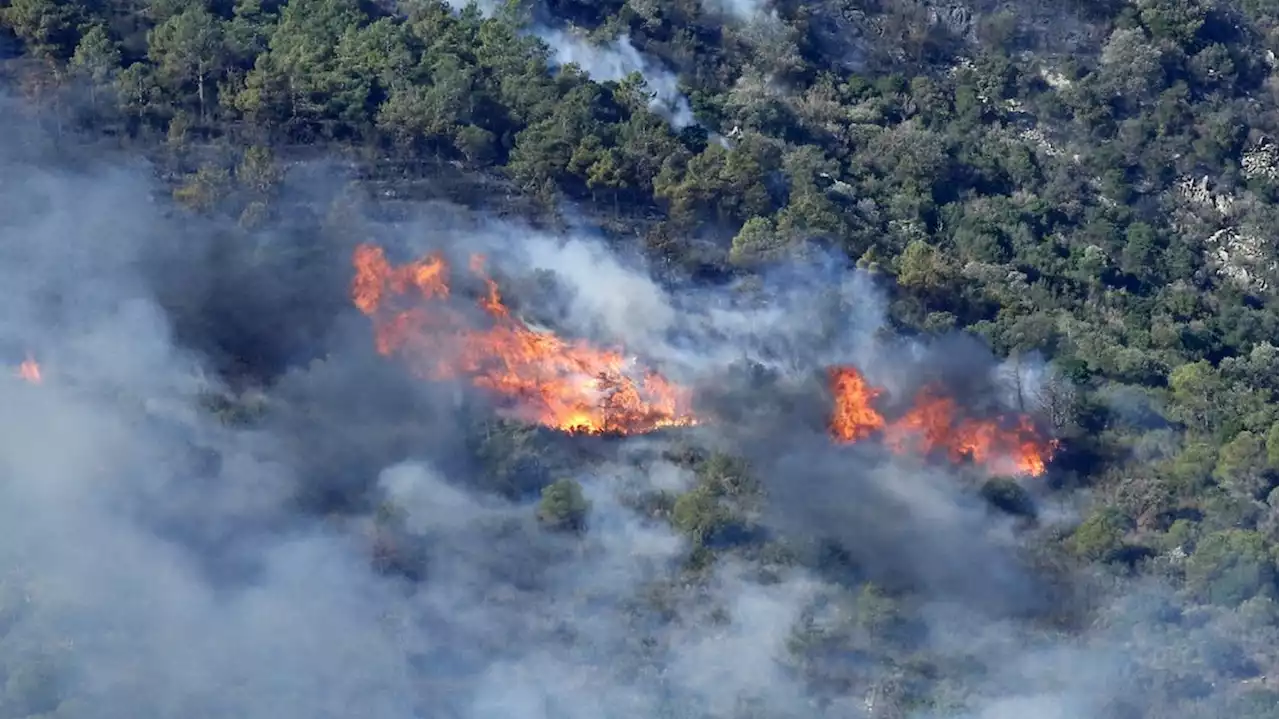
point(29, 371)
point(572, 386)
point(934, 424)
point(564, 384)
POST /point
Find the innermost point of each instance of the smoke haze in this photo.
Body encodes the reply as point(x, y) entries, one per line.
point(350, 551)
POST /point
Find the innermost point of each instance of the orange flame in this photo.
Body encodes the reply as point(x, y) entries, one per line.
point(29, 371)
point(934, 424)
point(854, 417)
point(564, 384)
point(572, 386)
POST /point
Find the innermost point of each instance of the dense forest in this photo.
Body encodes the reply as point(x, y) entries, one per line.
point(1086, 189)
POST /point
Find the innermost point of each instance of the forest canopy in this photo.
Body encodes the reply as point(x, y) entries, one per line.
point(1089, 188)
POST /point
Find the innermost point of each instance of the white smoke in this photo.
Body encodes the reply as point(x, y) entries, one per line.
point(690, 331)
point(741, 10)
point(610, 63)
point(487, 8)
point(616, 61)
point(156, 562)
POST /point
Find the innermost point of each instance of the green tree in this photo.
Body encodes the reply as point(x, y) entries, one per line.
point(1197, 391)
point(1130, 66)
point(188, 49)
point(1231, 566)
point(1141, 252)
point(258, 171)
point(608, 173)
point(204, 189)
point(97, 57)
point(542, 154)
point(48, 28)
point(477, 145)
point(1008, 496)
point(379, 53)
point(412, 115)
point(1176, 20)
point(248, 30)
point(646, 142)
point(298, 81)
point(563, 506)
point(728, 183)
point(758, 242)
point(698, 514)
point(1273, 446)
point(137, 92)
point(920, 268)
point(1189, 472)
point(810, 215)
point(1101, 535)
point(1243, 466)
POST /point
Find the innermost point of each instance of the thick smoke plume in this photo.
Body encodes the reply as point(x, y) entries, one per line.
point(339, 538)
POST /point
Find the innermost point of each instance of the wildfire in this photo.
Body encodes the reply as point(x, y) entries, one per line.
point(565, 384)
point(29, 371)
point(853, 417)
point(572, 386)
point(934, 424)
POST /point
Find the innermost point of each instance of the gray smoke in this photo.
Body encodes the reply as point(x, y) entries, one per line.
point(160, 559)
point(347, 540)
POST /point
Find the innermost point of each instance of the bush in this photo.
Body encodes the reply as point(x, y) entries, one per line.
point(1101, 535)
point(563, 506)
point(1231, 566)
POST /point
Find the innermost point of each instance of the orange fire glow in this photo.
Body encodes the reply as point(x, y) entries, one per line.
point(934, 424)
point(853, 417)
point(564, 384)
point(572, 386)
point(29, 370)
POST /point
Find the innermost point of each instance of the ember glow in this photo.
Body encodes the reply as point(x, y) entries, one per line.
point(564, 384)
point(29, 371)
point(934, 424)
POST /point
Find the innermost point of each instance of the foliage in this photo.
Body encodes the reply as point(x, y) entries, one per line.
point(563, 506)
point(1108, 202)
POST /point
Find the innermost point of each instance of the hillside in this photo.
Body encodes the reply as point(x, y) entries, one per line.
point(639, 358)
